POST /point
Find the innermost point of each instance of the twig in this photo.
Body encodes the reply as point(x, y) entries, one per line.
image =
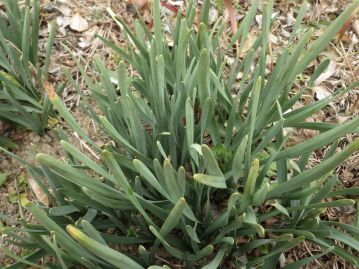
point(347, 60)
point(167, 262)
point(316, 260)
point(83, 144)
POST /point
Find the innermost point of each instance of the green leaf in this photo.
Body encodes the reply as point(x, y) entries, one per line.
point(3, 178)
point(91, 231)
point(173, 218)
point(313, 174)
point(157, 27)
point(65, 113)
point(78, 177)
point(299, 18)
point(281, 208)
point(63, 210)
point(190, 124)
point(218, 182)
point(210, 162)
point(319, 44)
point(63, 238)
point(171, 221)
point(21, 260)
point(276, 251)
point(124, 184)
point(192, 233)
point(318, 71)
point(251, 180)
point(111, 256)
point(84, 159)
point(217, 259)
point(239, 158)
point(320, 140)
point(205, 11)
point(180, 254)
point(149, 177)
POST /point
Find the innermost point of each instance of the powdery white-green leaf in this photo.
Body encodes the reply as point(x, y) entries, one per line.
point(211, 181)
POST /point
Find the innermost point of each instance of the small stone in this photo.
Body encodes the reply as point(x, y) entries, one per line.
point(4, 164)
point(34, 138)
point(213, 15)
point(47, 138)
point(78, 23)
point(47, 148)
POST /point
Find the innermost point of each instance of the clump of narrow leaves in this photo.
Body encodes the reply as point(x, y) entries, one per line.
point(22, 100)
point(198, 172)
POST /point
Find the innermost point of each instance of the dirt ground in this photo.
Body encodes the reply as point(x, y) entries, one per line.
point(92, 19)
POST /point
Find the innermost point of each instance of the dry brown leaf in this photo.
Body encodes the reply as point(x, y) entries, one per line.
point(64, 9)
point(355, 105)
point(355, 26)
point(321, 92)
point(231, 15)
point(139, 4)
point(248, 43)
point(49, 89)
point(39, 194)
point(341, 119)
point(346, 25)
point(327, 73)
point(87, 38)
point(78, 23)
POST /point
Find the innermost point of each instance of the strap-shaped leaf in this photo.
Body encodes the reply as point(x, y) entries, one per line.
point(210, 162)
point(218, 182)
point(255, 244)
point(84, 159)
point(63, 238)
point(239, 158)
point(157, 27)
point(250, 218)
point(171, 221)
point(192, 233)
point(78, 177)
point(313, 174)
point(205, 11)
point(253, 110)
point(274, 252)
point(180, 254)
point(171, 181)
point(173, 217)
point(29, 260)
point(111, 256)
point(65, 113)
point(251, 180)
point(91, 231)
point(125, 185)
point(149, 177)
point(260, 195)
point(319, 44)
point(217, 259)
point(320, 140)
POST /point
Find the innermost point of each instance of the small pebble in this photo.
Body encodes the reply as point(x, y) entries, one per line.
point(34, 138)
point(4, 164)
